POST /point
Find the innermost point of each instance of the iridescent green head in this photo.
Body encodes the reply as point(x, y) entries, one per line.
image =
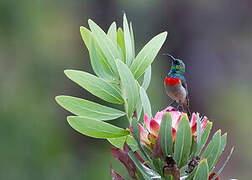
point(178, 67)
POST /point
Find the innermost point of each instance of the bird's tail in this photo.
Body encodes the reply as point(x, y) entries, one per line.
point(186, 109)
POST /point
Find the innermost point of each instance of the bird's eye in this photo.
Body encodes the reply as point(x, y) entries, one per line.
point(176, 62)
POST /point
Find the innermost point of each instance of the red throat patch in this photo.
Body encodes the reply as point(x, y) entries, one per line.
point(172, 81)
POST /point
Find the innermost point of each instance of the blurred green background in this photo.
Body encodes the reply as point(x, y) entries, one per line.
point(39, 39)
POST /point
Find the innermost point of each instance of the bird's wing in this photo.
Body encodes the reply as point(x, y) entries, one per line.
point(184, 84)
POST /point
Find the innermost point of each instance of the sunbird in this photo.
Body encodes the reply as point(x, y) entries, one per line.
point(176, 86)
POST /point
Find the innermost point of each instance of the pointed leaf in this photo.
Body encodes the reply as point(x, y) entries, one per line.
point(139, 108)
point(119, 142)
point(147, 55)
point(191, 175)
point(95, 128)
point(145, 102)
point(146, 172)
point(193, 147)
point(204, 137)
point(85, 34)
point(147, 78)
point(82, 107)
point(225, 163)
point(121, 43)
point(112, 33)
point(199, 132)
point(169, 177)
point(136, 135)
point(115, 175)
point(158, 164)
point(222, 147)
point(128, 87)
point(183, 142)
point(107, 46)
point(135, 129)
point(165, 132)
point(132, 143)
point(212, 149)
point(128, 43)
point(99, 62)
point(97, 86)
point(202, 171)
point(132, 39)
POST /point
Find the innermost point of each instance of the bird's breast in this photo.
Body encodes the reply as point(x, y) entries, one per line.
point(172, 81)
point(175, 90)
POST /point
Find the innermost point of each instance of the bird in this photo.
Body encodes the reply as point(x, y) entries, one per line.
point(176, 86)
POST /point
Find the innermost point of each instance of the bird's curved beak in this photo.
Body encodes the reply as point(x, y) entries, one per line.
point(172, 58)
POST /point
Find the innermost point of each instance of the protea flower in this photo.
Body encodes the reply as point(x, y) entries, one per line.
point(149, 133)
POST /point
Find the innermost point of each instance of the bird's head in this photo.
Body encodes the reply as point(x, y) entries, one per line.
point(178, 66)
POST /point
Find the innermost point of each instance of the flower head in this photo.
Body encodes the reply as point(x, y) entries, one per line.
point(149, 134)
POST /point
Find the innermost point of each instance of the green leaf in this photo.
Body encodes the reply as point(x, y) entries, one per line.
point(132, 39)
point(147, 78)
point(204, 137)
point(132, 143)
point(135, 129)
point(211, 151)
point(85, 34)
point(128, 87)
point(194, 147)
point(183, 171)
point(165, 130)
point(145, 102)
point(136, 135)
point(82, 107)
point(202, 171)
point(146, 172)
point(147, 55)
point(95, 128)
point(191, 175)
point(128, 43)
point(119, 142)
point(225, 163)
point(99, 62)
point(107, 46)
point(139, 109)
point(97, 86)
point(112, 33)
point(148, 154)
point(222, 147)
point(199, 131)
point(183, 142)
point(168, 177)
point(120, 42)
point(158, 164)
point(139, 106)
